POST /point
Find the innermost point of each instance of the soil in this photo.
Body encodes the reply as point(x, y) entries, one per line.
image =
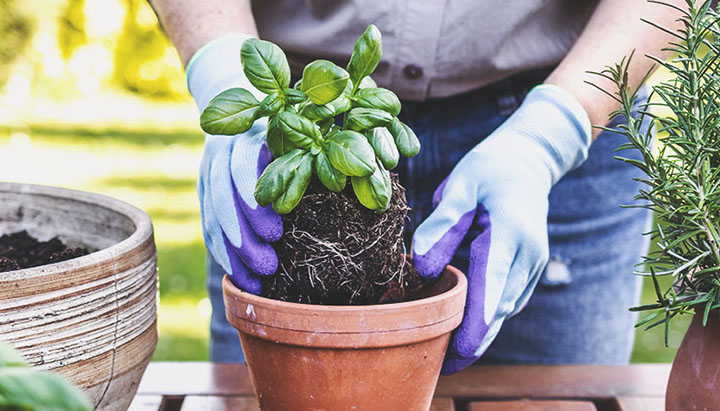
point(21, 250)
point(334, 251)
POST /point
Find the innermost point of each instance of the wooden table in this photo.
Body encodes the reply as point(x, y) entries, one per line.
point(169, 386)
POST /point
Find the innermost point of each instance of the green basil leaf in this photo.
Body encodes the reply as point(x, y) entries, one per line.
point(360, 119)
point(28, 389)
point(407, 142)
point(367, 82)
point(296, 186)
point(315, 112)
point(276, 176)
point(323, 81)
point(366, 54)
point(299, 130)
point(265, 65)
point(271, 105)
point(374, 191)
point(325, 125)
point(341, 104)
point(379, 98)
point(351, 153)
point(334, 129)
point(347, 92)
point(274, 180)
point(278, 144)
point(231, 112)
point(293, 96)
point(331, 177)
point(382, 142)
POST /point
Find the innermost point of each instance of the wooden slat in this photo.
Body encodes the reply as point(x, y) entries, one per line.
point(196, 378)
point(442, 404)
point(528, 405)
point(640, 404)
point(223, 403)
point(585, 382)
point(147, 403)
point(217, 403)
point(571, 381)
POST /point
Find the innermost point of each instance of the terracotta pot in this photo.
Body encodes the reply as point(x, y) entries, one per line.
point(378, 357)
point(693, 383)
point(90, 319)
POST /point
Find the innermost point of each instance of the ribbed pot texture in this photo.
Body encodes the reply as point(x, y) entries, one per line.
point(90, 319)
point(377, 357)
point(695, 374)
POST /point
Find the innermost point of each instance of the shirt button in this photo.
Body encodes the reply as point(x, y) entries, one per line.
point(412, 71)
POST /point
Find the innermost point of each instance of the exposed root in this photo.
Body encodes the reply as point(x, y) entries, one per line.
point(335, 251)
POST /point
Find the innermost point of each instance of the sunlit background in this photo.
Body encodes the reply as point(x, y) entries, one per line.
point(93, 97)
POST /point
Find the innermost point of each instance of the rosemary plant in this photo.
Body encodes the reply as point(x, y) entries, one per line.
point(682, 174)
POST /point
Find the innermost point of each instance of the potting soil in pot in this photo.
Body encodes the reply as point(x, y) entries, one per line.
point(334, 251)
point(20, 250)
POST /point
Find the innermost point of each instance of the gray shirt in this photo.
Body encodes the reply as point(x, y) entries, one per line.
point(431, 48)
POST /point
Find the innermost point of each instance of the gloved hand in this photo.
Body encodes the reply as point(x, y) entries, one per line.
point(501, 186)
point(237, 231)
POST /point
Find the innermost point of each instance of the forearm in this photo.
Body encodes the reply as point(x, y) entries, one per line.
point(613, 32)
point(190, 24)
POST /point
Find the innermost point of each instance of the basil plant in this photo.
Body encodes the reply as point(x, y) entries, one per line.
point(303, 131)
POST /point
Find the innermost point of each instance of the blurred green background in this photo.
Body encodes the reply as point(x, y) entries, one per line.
point(93, 97)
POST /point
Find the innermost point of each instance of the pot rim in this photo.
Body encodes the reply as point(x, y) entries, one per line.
point(458, 288)
point(139, 218)
point(342, 326)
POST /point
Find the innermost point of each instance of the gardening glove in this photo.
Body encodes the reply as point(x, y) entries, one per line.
point(237, 231)
point(501, 186)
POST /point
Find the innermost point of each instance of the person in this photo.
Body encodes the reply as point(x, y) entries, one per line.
point(528, 192)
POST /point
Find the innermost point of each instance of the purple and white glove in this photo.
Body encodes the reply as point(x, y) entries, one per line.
point(237, 231)
point(501, 186)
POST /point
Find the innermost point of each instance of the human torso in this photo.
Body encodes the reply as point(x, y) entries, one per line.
point(431, 48)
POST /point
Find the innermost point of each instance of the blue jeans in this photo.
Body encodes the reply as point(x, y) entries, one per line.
point(579, 310)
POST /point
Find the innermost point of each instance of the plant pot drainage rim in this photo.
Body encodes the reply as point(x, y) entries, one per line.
point(141, 220)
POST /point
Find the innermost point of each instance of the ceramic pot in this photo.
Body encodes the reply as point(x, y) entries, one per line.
point(693, 383)
point(377, 357)
point(90, 319)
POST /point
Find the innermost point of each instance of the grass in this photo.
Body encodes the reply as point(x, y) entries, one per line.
point(134, 138)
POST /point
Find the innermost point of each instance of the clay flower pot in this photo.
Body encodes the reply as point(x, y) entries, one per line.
point(376, 357)
point(90, 319)
point(693, 382)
